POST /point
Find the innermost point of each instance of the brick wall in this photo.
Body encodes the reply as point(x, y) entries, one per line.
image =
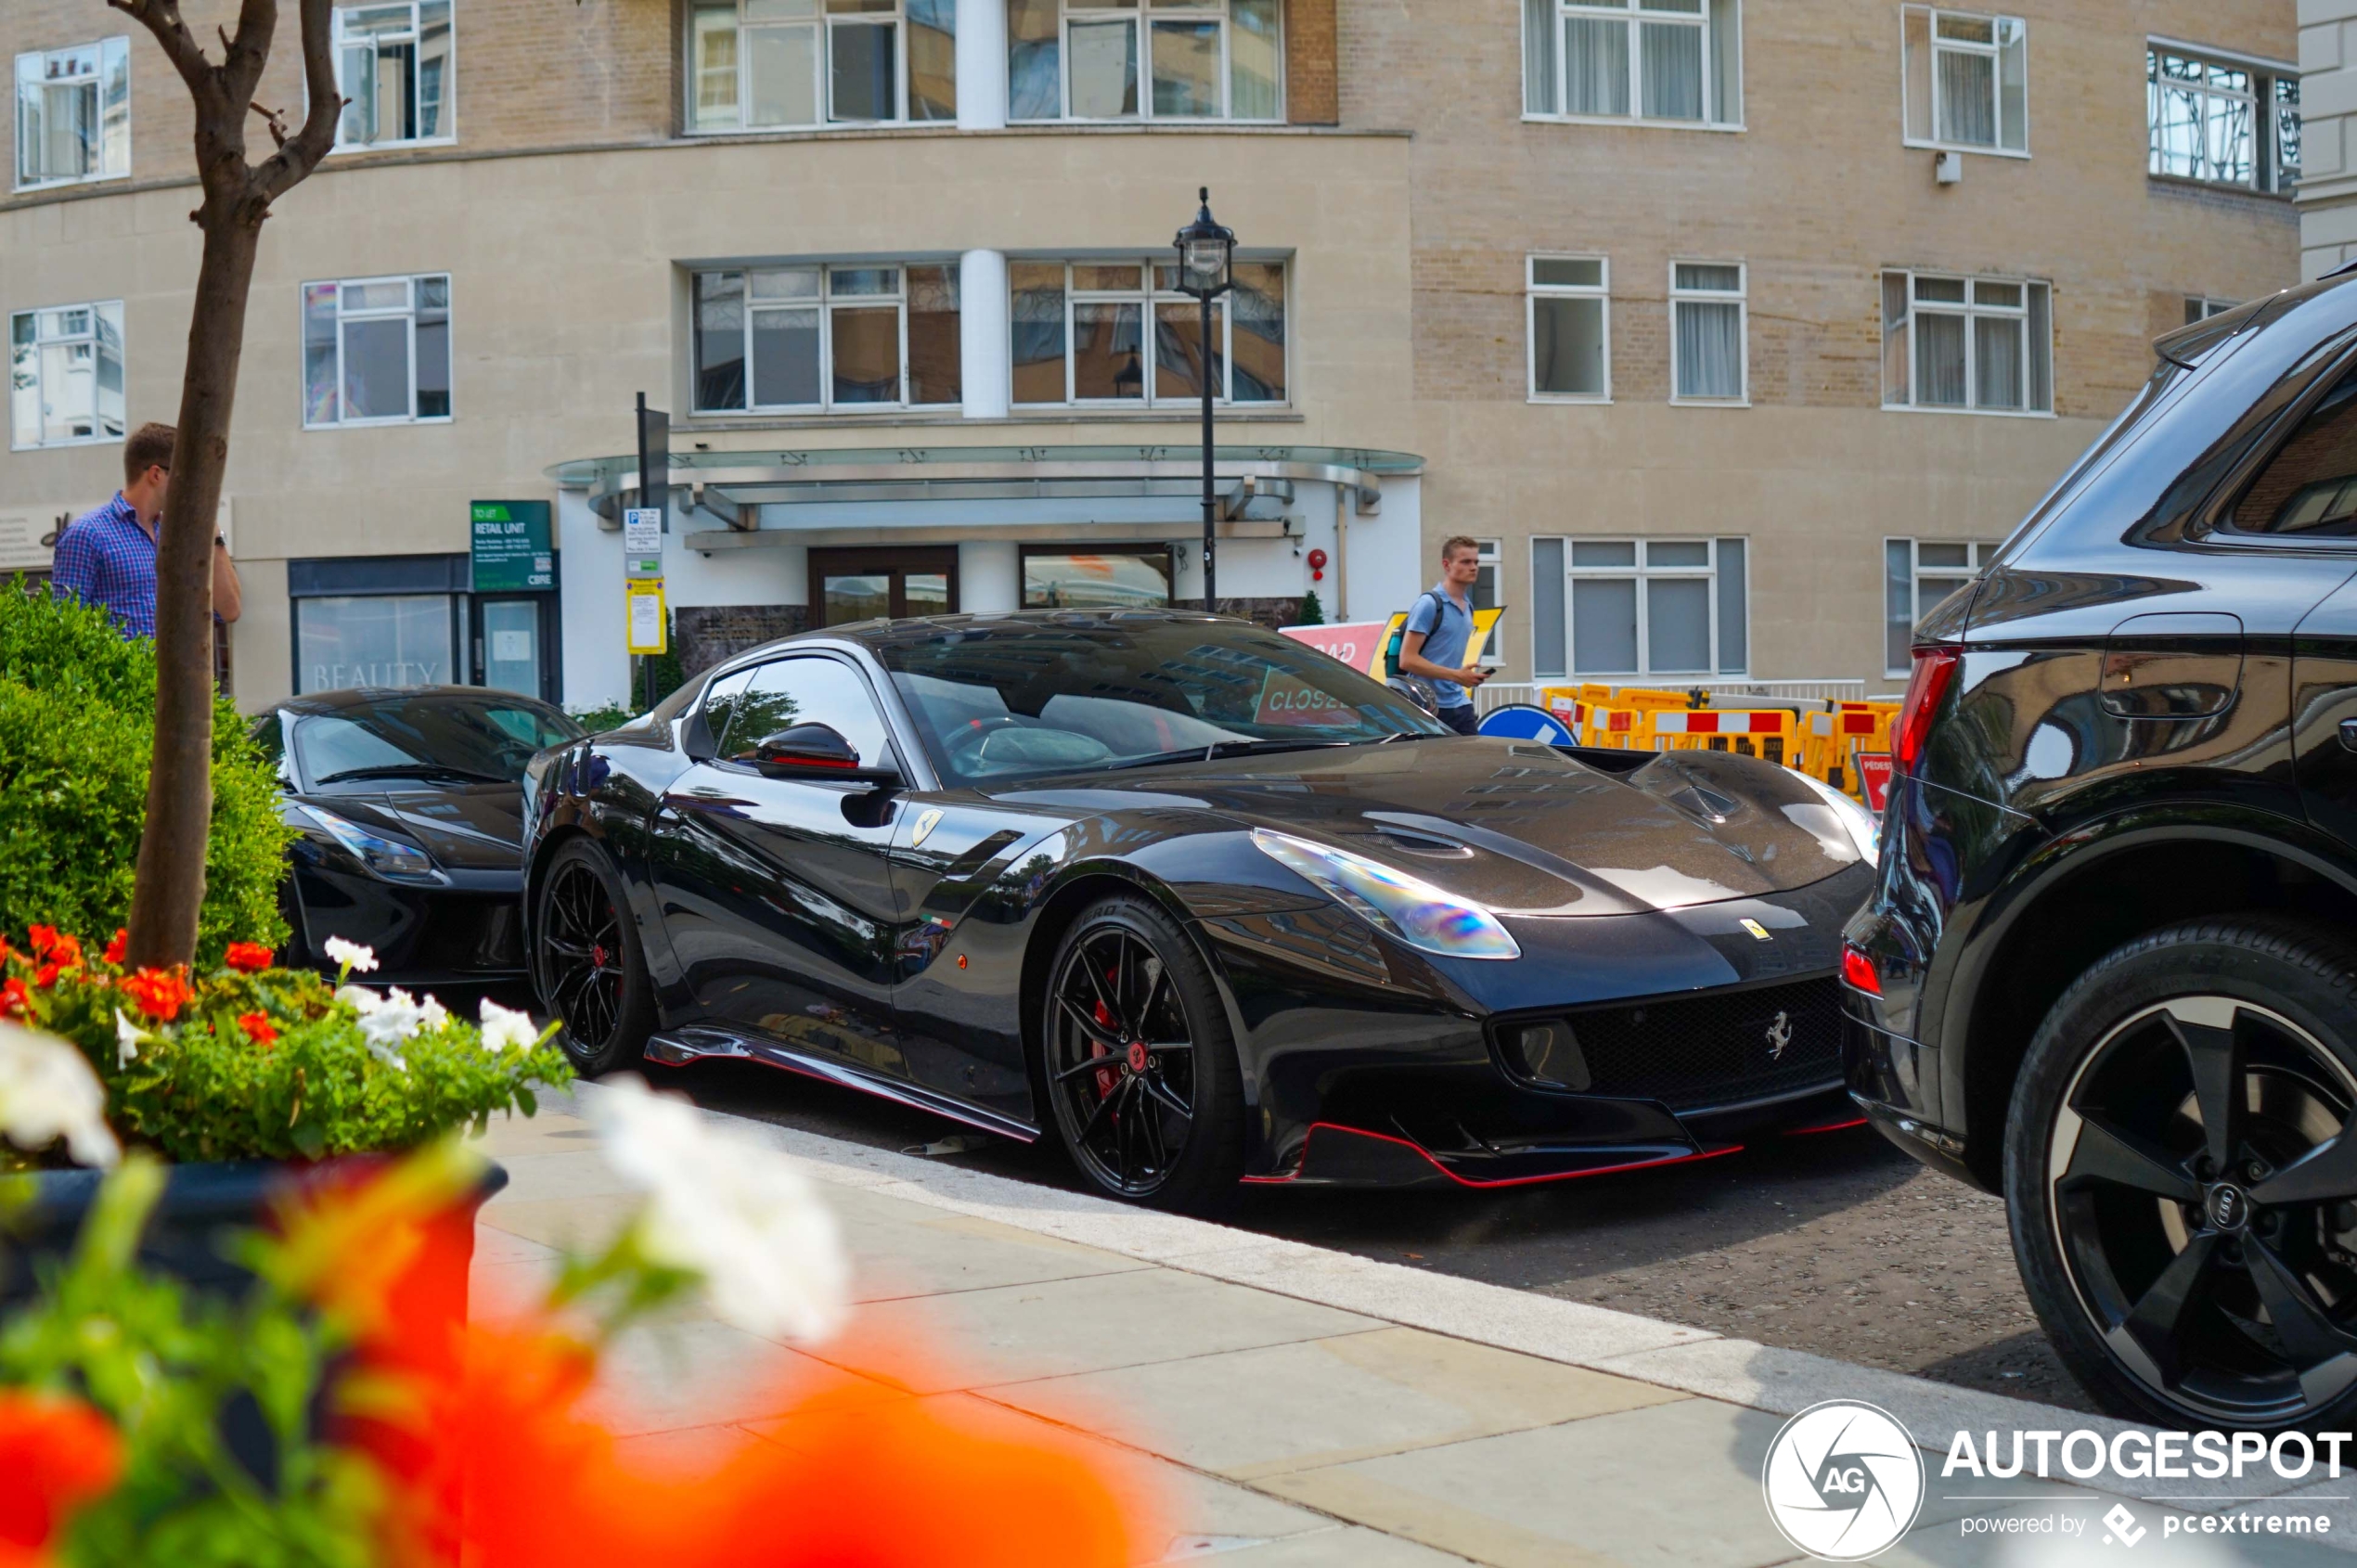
point(1311, 96)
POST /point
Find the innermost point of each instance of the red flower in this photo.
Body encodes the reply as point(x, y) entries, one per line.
point(257, 1027)
point(120, 944)
point(43, 938)
point(46, 976)
point(247, 958)
point(16, 1001)
point(160, 994)
point(57, 1454)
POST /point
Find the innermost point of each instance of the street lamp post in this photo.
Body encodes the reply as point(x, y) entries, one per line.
point(1206, 254)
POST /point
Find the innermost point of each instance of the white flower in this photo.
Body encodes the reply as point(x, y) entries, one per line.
point(389, 1018)
point(127, 1036)
point(48, 1091)
point(503, 1027)
point(736, 1213)
point(360, 998)
point(431, 1015)
point(352, 955)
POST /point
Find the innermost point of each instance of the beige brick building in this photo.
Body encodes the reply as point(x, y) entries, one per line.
point(1734, 332)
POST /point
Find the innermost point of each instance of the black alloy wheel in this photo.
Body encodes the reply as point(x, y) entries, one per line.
point(591, 970)
point(1141, 1067)
point(2182, 1177)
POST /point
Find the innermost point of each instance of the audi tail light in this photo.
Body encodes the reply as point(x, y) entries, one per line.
point(1934, 668)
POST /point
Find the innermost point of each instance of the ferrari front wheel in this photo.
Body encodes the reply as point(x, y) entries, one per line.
point(1138, 1062)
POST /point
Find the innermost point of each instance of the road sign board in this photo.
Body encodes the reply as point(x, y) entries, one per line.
point(650, 628)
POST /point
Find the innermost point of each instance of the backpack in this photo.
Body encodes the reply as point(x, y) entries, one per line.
point(1416, 689)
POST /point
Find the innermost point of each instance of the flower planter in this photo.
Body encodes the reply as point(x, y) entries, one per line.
point(202, 1205)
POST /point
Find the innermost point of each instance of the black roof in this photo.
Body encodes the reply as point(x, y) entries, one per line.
point(354, 697)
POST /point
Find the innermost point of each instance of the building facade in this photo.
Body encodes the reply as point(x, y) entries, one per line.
point(1736, 334)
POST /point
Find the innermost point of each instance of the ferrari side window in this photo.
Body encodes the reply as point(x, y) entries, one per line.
point(794, 691)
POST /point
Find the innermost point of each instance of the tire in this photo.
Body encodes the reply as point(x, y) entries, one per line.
point(1145, 1094)
point(2188, 1281)
point(587, 963)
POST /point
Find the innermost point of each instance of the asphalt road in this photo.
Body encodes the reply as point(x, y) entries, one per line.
point(1834, 1243)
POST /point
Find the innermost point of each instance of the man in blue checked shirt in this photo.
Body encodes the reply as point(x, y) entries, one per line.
point(107, 557)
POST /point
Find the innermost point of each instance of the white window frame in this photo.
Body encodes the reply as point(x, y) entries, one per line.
point(1149, 295)
point(1996, 53)
point(1635, 13)
point(826, 23)
point(1971, 309)
point(2201, 307)
point(408, 314)
point(101, 311)
point(1641, 572)
point(449, 102)
point(1978, 553)
point(1534, 291)
point(1489, 556)
point(109, 49)
point(826, 302)
point(1740, 298)
point(2270, 171)
point(1141, 17)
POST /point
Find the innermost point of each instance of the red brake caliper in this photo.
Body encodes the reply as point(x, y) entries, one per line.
point(1105, 1076)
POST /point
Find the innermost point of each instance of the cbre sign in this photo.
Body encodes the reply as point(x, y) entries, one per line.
point(510, 546)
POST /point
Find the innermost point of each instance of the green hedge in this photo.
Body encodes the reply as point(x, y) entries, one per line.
point(77, 720)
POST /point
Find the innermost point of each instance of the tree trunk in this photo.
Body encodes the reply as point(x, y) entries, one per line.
point(168, 890)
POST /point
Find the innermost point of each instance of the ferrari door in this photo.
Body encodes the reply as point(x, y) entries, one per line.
point(776, 893)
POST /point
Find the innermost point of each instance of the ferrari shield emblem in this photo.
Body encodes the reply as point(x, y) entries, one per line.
point(927, 820)
point(1759, 932)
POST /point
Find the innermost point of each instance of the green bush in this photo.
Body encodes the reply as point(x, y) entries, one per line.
point(77, 721)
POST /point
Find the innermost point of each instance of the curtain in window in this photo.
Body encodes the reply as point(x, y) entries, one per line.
point(1939, 360)
point(1595, 66)
point(1726, 63)
point(1997, 357)
point(784, 69)
point(2013, 84)
point(1253, 59)
point(2042, 370)
point(1538, 57)
point(1670, 56)
point(1710, 349)
point(1967, 98)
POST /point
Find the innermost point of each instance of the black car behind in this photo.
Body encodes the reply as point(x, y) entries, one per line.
point(410, 811)
point(2108, 968)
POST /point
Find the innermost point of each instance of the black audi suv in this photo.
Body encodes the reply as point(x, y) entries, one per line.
point(2108, 964)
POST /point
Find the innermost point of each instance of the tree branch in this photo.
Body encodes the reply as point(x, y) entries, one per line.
point(302, 152)
point(162, 18)
point(249, 51)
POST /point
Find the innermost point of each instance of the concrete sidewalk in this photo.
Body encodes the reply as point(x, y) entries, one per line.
point(1294, 1406)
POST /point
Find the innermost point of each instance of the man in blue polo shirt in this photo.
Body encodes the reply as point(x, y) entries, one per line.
point(108, 556)
point(1439, 630)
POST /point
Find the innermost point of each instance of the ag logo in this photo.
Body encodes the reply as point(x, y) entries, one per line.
point(1843, 1480)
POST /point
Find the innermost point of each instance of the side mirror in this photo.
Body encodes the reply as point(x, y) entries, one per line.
point(814, 752)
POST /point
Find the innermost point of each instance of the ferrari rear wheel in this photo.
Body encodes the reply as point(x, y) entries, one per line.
point(591, 971)
point(1140, 1065)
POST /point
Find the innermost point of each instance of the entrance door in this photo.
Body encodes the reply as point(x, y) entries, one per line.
point(861, 585)
point(509, 636)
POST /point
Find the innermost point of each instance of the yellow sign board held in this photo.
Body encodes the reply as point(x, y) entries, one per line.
point(1485, 622)
point(649, 627)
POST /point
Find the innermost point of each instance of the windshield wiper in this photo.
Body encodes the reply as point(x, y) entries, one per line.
point(1218, 749)
point(1410, 734)
point(412, 770)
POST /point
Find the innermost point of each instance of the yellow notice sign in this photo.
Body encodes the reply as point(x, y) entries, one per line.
point(649, 627)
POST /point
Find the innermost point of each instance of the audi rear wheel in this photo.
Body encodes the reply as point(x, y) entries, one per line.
point(2180, 1174)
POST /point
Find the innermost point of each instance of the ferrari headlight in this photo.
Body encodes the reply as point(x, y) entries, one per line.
point(1856, 820)
point(389, 858)
point(1416, 912)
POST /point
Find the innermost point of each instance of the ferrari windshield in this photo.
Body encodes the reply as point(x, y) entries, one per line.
point(999, 701)
point(426, 741)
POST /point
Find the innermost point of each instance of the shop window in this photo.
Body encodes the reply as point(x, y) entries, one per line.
point(74, 114)
point(1642, 608)
point(377, 639)
point(65, 381)
point(1145, 59)
point(1918, 573)
point(1059, 578)
point(768, 65)
point(2222, 120)
point(394, 69)
point(1677, 62)
point(376, 351)
point(1966, 79)
point(1708, 354)
point(812, 337)
point(1981, 345)
point(1570, 329)
point(1120, 332)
